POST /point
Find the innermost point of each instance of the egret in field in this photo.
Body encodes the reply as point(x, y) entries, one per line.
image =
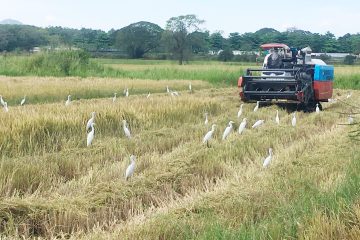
point(90, 121)
point(268, 159)
point(23, 101)
point(206, 118)
point(317, 108)
point(277, 119)
point(293, 121)
point(258, 123)
point(174, 94)
point(227, 130)
point(68, 101)
point(6, 109)
point(190, 88)
point(90, 135)
point(348, 95)
point(167, 89)
point(208, 135)
point(114, 98)
point(350, 119)
point(126, 130)
point(148, 95)
point(240, 110)
point(242, 126)
point(131, 168)
point(2, 101)
point(257, 106)
point(127, 92)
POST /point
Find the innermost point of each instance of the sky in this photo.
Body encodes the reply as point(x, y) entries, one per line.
point(227, 16)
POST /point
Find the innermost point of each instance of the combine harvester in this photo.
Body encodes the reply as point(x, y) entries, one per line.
point(289, 76)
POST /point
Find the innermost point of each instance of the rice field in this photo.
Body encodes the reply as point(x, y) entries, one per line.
point(53, 186)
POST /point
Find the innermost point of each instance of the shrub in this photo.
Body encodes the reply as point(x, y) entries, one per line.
point(246, 58)
point(349, 59)
point(226, 55)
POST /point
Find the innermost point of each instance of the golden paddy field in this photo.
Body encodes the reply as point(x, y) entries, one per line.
point(53, 186)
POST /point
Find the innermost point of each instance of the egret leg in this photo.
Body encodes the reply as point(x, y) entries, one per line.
point(207, 144)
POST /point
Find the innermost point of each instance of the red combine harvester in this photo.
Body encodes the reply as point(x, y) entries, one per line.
point(289, 76)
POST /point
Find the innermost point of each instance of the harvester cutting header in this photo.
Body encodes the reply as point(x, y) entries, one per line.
point(289, 75)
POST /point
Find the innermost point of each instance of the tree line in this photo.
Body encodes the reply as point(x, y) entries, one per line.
point(181, 38)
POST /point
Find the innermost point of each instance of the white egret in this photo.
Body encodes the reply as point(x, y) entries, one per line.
point(242, 126)
point(148, 95)
point(2, 101)
point(293, 121)
point(90, 121)
point(68, 101)
point(190, 88)
point(258, 123)
point(209, 134)
point(6, 109)
point(350, 119)
point(257, 106)
point(317, 108)
point(348, 95)
point(126, 130)
point(127, 92)
point(268, 159)
point(174, 93)
point(227, 130)
point(90, 135)
point(114, 98)
point(206, 118)
point(131, 168)
point(23, 101)
point(277, 119)
point(167, 89)
point(240, 110)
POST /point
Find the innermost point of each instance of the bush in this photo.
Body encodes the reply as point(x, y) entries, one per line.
point(349, 59)
point(324, 57)
point(226, 55)
point(246, 58)
point(57, 63)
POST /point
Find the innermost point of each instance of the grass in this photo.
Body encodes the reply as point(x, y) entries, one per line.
point(53, 186)
point(74, 63)
point(78, 64)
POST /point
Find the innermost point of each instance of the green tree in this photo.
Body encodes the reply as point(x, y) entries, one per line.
point(355, 44)
point(199, 42)
point(139, 38)
point(249, 42)
point(62, 36)
point(331, 44)
point(177, 35)
point(21, 37)
point(217, 41)
point(235, 40)
point(267, 35)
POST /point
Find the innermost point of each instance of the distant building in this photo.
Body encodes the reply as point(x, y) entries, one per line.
point(235, 52)
point(36, 49)
point(332, 55)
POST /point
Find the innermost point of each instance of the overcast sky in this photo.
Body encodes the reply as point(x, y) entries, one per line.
point(338, 17)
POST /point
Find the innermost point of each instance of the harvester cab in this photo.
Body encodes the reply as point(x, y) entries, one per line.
point(288, 75)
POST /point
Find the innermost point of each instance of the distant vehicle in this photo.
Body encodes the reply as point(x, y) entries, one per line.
point(288, 75)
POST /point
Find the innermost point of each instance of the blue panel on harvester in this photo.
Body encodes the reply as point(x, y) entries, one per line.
point(324, 73)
